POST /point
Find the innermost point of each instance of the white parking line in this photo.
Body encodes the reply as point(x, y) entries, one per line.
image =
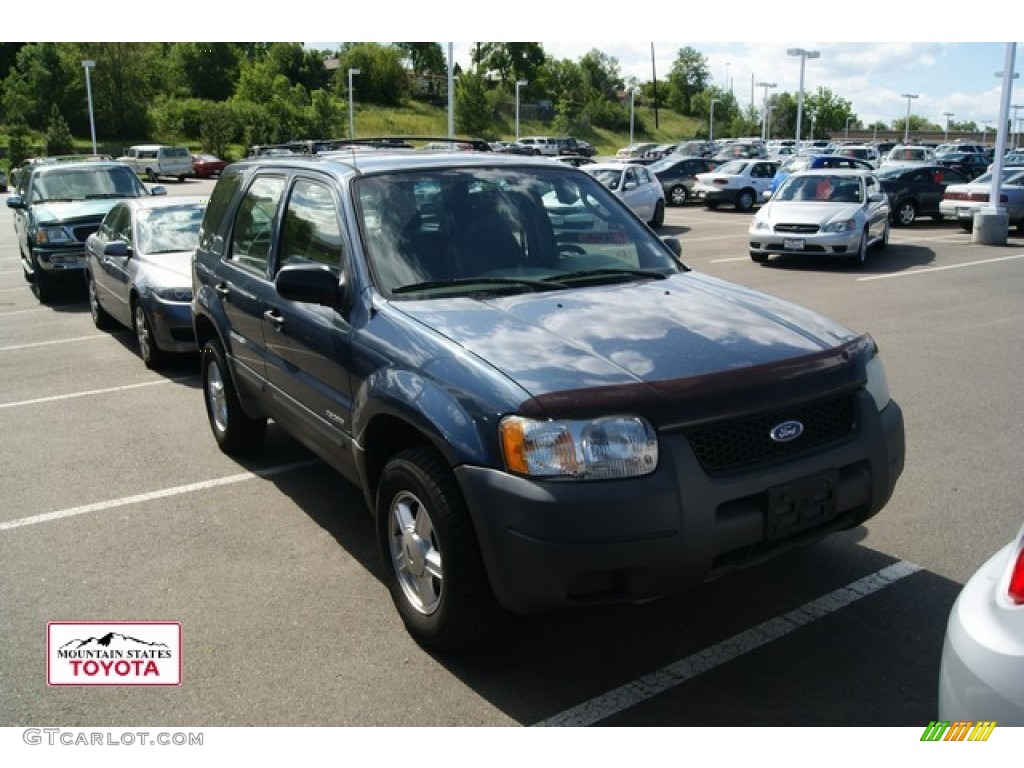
point(926, 270)
point(54, 341)
point(23, 311)
point(658, 682)
point(177, 490)
point(87, 393)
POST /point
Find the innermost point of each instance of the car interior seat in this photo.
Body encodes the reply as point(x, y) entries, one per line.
point(482, 237)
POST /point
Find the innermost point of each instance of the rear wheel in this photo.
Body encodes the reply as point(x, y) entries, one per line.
point(42, 284)
point(152, 176)
point(234, 431)
point(435, 571)
point(678, 195)
point(967, 225)
point(905, 213)
point(745, 201)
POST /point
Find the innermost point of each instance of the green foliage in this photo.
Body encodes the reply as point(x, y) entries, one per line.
point(689, 76)
point(18, 146)
point(382, 77)
point(217, 128)
point(473, 114)
point(59, 140)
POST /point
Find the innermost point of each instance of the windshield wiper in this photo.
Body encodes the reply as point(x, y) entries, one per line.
point(508, 283)
point(613, 274)
point(104, 195)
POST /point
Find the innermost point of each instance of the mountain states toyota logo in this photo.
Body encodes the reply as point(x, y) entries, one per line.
point(113, 653)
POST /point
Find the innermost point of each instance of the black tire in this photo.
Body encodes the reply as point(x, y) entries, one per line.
point(758, 258)
point(1020, 227)
point(100, 318)
point(711, 205)
point(149, 350)
point(152, 176)
point(235, 431)
point(181, 179)
point(42, 284)
point(745, 200)
point(434, 569)
point(884, 242)
point(967, 225)
point(678, 195)
point(659, 215)
point(862, 249)
point(904, 213)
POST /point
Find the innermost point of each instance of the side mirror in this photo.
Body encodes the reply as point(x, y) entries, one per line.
point(158, 190)
point(118, 248)
point(877, 197)
point(15, 201)
point(674, 244)
point(311, 284)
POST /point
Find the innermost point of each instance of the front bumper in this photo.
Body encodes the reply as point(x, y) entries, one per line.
point(712, 194)
point(172, 325)
point(66, 263)
point(768, 243)
point(554, 544)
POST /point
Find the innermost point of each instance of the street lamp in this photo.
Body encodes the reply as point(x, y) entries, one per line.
point(632, 102)
point(906, 128)
point(764, 109)
point(89, 64)
point(804, 56)
point(711, 122)
point(351, 104)
point(846, 133)
point(519, 84)
point(947, 115)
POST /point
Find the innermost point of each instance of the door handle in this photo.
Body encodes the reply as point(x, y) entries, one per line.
point(222, 290)
point(274, 318)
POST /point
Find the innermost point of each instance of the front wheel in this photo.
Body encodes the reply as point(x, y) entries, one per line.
point(967, 225)
point(152, 176)
point(862, 249)
point(745, 201)
point(234, 430)
point(149, 350)
point(435, 571)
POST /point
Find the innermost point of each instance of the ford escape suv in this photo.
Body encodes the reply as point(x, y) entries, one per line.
point(542, 405)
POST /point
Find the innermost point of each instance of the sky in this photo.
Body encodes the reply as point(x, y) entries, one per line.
point(871, 53)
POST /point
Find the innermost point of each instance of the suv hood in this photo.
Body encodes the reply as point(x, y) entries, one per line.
point(669, 330)
point(59, 213)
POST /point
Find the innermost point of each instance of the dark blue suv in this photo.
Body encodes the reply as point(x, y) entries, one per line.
point(542, 405)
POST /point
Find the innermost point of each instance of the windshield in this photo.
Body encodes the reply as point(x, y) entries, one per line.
point(821, 188)
point(472, 231)
point(732, 168)
point(85, 183)
point(167, 230)
point(794, 164)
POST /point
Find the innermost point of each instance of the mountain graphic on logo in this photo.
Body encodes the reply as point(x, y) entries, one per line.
point(110, 641)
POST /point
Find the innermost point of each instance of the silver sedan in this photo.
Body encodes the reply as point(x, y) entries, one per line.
point(828, 212)
point(138, 272)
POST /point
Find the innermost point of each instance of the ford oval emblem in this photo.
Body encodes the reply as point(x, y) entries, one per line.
point(786, 432)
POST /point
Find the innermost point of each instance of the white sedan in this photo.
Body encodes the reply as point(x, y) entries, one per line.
point(636, 186)
point(826, 212)
point(981, 676)
point(738, 182)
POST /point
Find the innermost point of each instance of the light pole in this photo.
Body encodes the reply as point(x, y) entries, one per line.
point(351, 104)
point(846, 132)
point(764, 109)
point(1013, 125)
point(632, 102)
point(906, 128)
point(804, 56)
point(519, 84)
point(711, 120)
point(945, 135)
point(89, 64)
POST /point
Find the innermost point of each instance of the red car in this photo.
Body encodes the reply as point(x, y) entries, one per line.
point(207, 166)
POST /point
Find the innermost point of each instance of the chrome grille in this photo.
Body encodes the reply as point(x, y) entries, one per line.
point(799, 229)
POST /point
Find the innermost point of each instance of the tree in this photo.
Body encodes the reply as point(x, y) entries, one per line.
point(473, 116)
point(425, 58)
point(689, 76)
point(122, 84)
point(206, 70)
point(830, 112)
point(18, 146)
point(217, 128)
point(58, 140)
point(382, 78)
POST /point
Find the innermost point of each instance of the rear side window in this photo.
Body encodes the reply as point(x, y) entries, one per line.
point(253, 232)
point(210, 237)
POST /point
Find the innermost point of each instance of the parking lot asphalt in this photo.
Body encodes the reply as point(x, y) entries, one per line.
point(119, 506)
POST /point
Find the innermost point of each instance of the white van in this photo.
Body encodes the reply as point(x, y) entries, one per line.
point(151, 161)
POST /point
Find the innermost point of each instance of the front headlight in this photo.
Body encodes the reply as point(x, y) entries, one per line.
point(878, 383)
point(174, 294)
point(54, 236)
point(847, 225)
point(595, 449)
point(760, 225)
